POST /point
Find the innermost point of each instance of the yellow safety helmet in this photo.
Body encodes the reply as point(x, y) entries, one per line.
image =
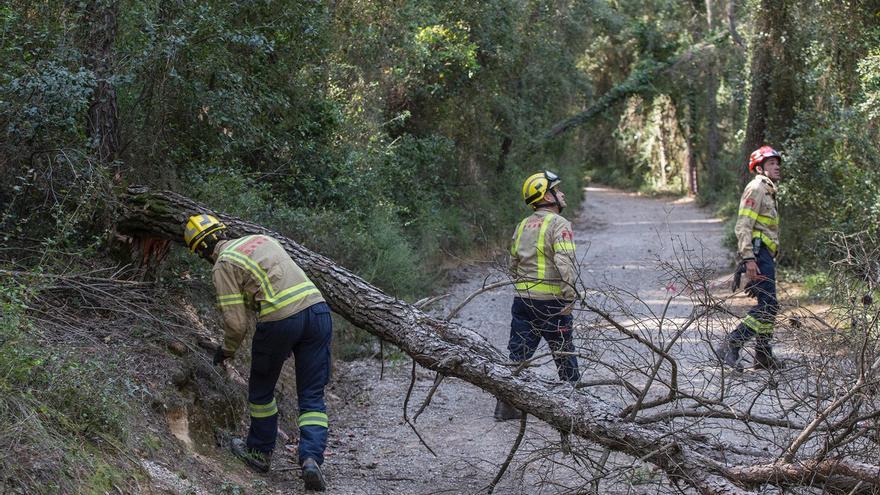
point(198, 228)
point(537, 185)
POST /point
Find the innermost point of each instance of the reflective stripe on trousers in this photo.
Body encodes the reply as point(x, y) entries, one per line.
point(306, 335)
point(762, 315)
point(533, 319)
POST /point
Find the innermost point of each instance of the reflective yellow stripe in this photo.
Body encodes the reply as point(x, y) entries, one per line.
point(542, 263)
point(563, 246)
point(230, 299)
point(264, 410)
point(273, 302)
point(544, 287)
point(288, 296)
point(253, 267)
point(519, 232)
point(756, 325)
point(313, 418)
point(758, 218)
point(765, 239)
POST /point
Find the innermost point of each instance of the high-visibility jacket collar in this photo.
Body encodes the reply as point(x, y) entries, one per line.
point(766, 180)
point(219, 248)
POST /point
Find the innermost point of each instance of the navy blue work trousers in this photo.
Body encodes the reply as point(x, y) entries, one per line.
point(762, 316)
point(533, 319)
point(305, 335)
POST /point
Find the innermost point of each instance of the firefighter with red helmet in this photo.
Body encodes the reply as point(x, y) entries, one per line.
point(757, 234)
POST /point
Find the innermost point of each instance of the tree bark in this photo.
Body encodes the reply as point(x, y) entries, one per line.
point(98, 37)
point(712, 144)
point(771, 81)
point(731, 24)
point(455, 351)
point(503, 153)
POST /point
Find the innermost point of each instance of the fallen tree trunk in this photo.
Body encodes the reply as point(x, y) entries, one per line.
point(453, 350)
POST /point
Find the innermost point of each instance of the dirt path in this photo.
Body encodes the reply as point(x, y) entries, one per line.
point(620, 238)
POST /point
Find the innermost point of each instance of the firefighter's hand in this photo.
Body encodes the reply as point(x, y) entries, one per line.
point(220, 356)
point(567, 309)
point(752, 271)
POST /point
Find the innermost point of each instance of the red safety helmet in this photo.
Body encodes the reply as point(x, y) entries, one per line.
point(757, 157)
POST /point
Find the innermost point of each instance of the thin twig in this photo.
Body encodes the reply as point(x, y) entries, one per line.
point(409, 390)
point(452, 314)
point(438, 378)
point(513, 449)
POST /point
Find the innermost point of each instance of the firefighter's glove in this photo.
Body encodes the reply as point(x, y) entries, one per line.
point(737, 277)
point(220, 355)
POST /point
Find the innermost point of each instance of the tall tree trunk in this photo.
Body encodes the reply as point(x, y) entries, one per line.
point(768, 61)
point(503, 153)
point(693, 171)
point(686, 118)
point(664, 155)
point(98, 37)
point(712, 145)
point(660, 121)
point(731, 24)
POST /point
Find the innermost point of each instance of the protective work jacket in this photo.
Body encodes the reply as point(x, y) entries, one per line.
point(254, 274)
point(542, 257)
point(758, 218)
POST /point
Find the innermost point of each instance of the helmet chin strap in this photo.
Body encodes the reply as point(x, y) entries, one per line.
point(556, 202)
point(556, 199)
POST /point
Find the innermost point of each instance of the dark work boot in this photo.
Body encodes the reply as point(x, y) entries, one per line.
point(728, 353)
point(505, 412)
point(764, 359)
point(256, 460)
point(312, 476)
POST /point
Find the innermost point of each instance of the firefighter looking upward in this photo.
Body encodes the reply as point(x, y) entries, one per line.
point(757, 233)
point(542, 262)
point(254, 274)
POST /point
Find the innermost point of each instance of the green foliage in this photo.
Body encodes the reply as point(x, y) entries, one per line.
point(869, 72)
point(832, 184)
point(381, 137)
point(441, 54)
point(818, 287)
point(59, 403)
point(45, 104)
point(386, 137)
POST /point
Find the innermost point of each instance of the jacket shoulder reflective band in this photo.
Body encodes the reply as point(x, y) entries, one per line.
point(248, 264)
point(519, 231)
point(272, 300)
point(542, 258)
point(538, 284)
